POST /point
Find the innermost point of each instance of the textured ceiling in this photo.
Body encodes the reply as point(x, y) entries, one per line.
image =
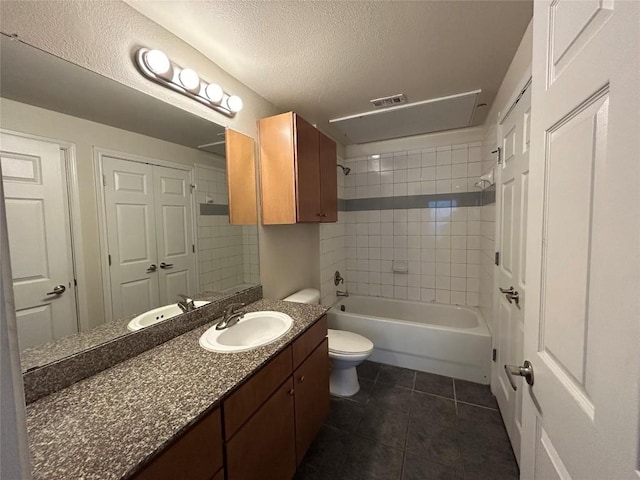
point(328, 59)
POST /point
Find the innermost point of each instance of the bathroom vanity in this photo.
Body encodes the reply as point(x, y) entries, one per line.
point(179, 411)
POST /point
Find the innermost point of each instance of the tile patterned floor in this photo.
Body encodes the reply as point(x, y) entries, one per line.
point(408, 425)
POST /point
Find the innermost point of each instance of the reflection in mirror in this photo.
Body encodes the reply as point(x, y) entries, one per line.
point(116, 203)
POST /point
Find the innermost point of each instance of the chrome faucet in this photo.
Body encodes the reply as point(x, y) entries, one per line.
point(231, 316)
point(186, 304)
point(342, 294)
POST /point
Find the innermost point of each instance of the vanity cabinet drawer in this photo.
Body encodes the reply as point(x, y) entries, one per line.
point(264, 448)
point(308, 341)
point(254, 392)
point(196, 455)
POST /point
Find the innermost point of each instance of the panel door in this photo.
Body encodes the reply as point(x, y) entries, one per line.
point(307, 167)
point(174, 233)
point(513, 191)
point(131, 236)
point(35, 195)
point(582, 321)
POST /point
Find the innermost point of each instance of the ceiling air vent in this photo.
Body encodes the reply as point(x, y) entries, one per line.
point(384, 102)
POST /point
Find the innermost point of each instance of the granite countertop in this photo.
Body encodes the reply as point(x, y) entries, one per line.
point(105, 426)
point(65, 347)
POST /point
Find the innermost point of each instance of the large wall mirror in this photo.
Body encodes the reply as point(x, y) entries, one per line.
point(117, 203)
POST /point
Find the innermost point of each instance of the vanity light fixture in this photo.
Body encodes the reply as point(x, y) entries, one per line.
point(155, 65)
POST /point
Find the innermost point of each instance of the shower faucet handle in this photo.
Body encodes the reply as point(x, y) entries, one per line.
point(337, 278)
point(506, 290)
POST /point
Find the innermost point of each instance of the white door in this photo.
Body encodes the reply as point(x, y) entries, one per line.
point(172, 203)
point(131, 236)
point(582, 321)
point(509, 332)
point(35, 192)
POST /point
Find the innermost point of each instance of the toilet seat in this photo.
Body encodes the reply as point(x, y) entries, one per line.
point(348, 343)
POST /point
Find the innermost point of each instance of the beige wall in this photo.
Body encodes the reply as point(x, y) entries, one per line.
point(102, 36)
point(520, 65)
point(86, 135)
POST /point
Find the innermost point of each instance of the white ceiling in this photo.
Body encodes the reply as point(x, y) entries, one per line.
point(326, 60)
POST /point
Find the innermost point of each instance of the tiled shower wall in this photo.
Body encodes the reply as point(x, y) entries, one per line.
point(488, 225)
point(439, 245)
point(227, 254)
point(332, 250)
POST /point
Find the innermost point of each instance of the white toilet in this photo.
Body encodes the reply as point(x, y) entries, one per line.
point(347, 350)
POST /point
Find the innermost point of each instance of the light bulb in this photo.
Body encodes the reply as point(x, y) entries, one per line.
point(190, 80)
point(157, 62)
point(234, 103)
point(214, 93)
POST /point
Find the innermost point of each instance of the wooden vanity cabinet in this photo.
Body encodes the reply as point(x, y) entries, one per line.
point(264, 427)
point(266, 438)
point(297, 172)
point(264, 448)
point(196, 455)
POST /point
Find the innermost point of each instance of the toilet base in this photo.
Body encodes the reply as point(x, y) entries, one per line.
point(343, 382)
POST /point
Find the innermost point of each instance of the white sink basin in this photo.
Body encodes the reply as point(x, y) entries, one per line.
point(253, 330)
point(158, 315)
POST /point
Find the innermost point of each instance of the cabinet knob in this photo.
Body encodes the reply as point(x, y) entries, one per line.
point(302, 379)
point(291, 392)
point(318, 214)
point(323, 215)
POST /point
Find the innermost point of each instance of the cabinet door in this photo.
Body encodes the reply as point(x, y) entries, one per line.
point(241, 180)
point(307, 167)
point(328, 179)
point(264, 448)
point(311, 397)
point(196, 455)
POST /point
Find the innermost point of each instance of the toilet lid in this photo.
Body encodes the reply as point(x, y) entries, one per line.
point(348, 342)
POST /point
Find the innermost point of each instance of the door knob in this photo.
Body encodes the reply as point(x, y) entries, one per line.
point(152, 268)
point(57, 290)
point(166, 266)
point(525, 371)
point(513, 298)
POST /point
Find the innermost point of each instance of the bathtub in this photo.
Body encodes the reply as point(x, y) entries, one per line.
point(443, 339)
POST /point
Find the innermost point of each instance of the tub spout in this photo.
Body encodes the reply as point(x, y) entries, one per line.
point(342, 294)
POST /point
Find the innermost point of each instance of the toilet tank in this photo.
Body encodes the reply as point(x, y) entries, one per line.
point(308, 295)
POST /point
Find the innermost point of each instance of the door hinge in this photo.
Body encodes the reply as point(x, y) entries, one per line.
point(109, 259)
point(193, 248)
point(75, 282)
point(494, 355)
point(104, 180)
point(496, 259)
point(498, 152)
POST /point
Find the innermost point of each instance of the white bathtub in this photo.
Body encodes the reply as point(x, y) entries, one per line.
point(443, 339)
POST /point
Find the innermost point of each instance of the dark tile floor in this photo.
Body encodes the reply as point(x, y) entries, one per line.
point(408, 425)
